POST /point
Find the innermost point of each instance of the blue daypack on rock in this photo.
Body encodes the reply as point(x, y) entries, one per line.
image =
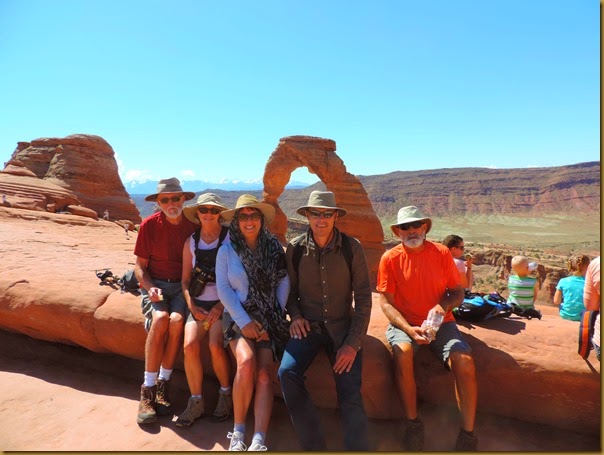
point(480, 307)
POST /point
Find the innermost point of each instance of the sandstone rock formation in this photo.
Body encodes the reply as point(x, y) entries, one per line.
point(527, 370)
point(319, 156)
point(84, 165)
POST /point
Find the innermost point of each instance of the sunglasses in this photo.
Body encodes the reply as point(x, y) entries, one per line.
point(213, 210)
point(251, 216)
point(316, 214)
point(165, 200)
point(414, 225)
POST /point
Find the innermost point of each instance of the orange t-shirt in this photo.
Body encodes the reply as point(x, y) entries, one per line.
point(417, 280)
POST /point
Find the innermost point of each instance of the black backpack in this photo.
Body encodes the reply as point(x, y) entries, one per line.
point(129, 283)
point(478, 307)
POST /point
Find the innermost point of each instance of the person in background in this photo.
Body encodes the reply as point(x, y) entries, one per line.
point(417, 279)
point(464, 266)
point(204, 316)
point(324, 317)
point(592, 299)
point(522, 288)
point(252, 281)
point(158, 269)
point(569, 290)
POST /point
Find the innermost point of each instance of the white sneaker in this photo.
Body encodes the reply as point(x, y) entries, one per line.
point(237, 444)
point(257, 447)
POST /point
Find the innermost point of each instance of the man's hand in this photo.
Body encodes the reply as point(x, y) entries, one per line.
point(344, 359)
point(419, 336)
point(299, 328)
point(155, 294)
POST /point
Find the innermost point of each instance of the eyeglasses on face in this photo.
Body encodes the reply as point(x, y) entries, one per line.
point(325, 214)
point(212, 210)
point(414, 225)
point(249, 216)
point(165, 200)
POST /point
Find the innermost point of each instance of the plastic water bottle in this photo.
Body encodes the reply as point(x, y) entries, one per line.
point(532, 266)
point(432, 324)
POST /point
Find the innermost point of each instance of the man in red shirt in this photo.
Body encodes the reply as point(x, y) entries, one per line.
point(158, 269)
point(416, 278)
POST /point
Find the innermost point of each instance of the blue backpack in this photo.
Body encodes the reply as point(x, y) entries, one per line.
point(480, 307)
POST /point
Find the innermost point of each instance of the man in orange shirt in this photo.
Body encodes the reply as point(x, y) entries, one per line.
point(415, 278)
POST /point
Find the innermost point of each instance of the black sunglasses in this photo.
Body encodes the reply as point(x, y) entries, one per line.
point(252, 216)
point(165, 200)
point(414, 225)
point(213, 210)
point(316, 214)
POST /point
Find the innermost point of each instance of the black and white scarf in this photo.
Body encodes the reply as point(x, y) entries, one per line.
point(265, 268)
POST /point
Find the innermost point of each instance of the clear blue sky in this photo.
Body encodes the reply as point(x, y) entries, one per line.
point(205, 89)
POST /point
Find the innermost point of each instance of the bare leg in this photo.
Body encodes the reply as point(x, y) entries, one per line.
point(175, 329)
point(405, 378)
point(156, 340)
point(466, 388)
point(263, 401)
point(243, 384)
point(220, 358)
point(194, 333)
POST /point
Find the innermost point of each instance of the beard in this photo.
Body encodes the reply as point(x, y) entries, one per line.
point(173, 212)
point(414, 240)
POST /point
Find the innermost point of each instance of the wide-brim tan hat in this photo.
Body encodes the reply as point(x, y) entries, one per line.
point(171, 185)
point(212, 199)
point(410, 214)
point(321, 200)
point(247, 200)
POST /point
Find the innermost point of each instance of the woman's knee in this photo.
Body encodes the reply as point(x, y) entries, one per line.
point(264, 376)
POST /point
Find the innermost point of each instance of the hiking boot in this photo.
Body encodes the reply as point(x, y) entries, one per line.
point(466, 442)
point(237, 444)
point(194, 411)
point(257, 447)
point(146, 407)
point(414, 436)
point(224, 407)
point(162, 398)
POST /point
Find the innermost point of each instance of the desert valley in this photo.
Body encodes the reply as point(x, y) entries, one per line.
point(72, 348)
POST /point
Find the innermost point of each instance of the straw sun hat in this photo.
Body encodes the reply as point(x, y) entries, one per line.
point(247, 200)
point(211, 199)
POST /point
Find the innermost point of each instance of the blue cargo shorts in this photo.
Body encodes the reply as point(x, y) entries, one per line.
point(174, 301)
point(448, 340)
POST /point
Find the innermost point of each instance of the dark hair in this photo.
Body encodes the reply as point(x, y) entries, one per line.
point(452, 240)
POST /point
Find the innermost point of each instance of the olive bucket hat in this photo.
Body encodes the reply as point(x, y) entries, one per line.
point(247, 200)
point(209, 199)
point(410, 214)
point(321, 200)
point(171, 185)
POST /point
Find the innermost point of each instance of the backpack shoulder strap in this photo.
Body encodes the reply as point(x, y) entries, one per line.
point(347, 251)
point(223, 232)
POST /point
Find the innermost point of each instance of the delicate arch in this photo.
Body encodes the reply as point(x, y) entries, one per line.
point(319, 157)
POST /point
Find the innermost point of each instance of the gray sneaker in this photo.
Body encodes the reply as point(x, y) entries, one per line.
point(194, 411)
point(414, 436)
point(224, 407)
point(237, 444)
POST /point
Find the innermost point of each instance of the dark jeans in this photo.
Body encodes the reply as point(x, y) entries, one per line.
point(298, 356)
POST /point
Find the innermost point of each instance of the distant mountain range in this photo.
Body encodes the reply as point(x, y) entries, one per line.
point(199, 186)
point(441, 192)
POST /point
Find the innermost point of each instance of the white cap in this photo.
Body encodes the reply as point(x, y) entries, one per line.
point(532, 266)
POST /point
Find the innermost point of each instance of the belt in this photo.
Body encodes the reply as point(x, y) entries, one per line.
point(167, 280)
